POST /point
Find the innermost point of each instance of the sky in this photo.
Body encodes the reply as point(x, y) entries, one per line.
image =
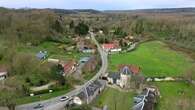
point(97, 4)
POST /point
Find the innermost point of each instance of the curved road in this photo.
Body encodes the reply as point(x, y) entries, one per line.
point(54, 103)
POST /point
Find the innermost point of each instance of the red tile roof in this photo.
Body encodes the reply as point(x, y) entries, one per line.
point(68, 66)
point(133, 68)
point(108, 46)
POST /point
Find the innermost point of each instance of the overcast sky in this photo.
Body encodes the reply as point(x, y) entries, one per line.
point(97, 4)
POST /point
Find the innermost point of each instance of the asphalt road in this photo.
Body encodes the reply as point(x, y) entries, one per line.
point(55, 103)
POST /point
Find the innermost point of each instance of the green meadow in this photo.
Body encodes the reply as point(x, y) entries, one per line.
point(176, 96)
point(155, 59)
point(114, 99)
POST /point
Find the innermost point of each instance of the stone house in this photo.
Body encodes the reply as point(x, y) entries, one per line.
point(91, 64)
point(124, 75)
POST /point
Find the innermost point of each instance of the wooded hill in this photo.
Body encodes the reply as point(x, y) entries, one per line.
point(37, 25)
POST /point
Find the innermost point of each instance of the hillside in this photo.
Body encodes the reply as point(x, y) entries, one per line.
point(164, 10)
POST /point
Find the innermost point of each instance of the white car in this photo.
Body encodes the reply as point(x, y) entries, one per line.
point(64, 98)
point(77, 101)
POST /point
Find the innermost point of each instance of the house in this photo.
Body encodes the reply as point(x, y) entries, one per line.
point(124, 75)
point(85, 46)
point(121, 78)
point(92, 91)
point(88, 50)
point(91, 64)
point(146, 100)
point(3, 73)
point(68, 67)
point(126, 72)
point(130, 69)
point(42, 55)
point(111, 47)
point(114, 78)
point(84, 59)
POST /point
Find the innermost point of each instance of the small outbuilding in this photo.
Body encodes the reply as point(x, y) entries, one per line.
point(42, 55)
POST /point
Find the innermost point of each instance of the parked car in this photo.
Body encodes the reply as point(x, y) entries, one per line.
point(64, 98)
point(39, 106)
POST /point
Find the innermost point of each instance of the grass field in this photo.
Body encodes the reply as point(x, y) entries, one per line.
point(172, 98)
point(155, 59)
point(29, 99)
point(115, 100)
point(55, 50)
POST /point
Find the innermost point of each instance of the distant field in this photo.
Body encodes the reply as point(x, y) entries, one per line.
point(155, 59)
point(173, 99)
point(115, 100)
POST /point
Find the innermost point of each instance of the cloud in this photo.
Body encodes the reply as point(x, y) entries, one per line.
point(98, 4)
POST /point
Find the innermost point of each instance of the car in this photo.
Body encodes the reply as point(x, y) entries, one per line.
point(77, 101)
point(64, 98)
point(38, 106)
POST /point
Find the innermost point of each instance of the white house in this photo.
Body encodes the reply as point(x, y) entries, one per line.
point(88, 50)
point(111, 47)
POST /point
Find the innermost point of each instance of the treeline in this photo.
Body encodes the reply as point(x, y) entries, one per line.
point(177, 29)
point(36, 26)
point(174, 28)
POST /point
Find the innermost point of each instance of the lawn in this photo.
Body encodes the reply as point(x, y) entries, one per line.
point(155, 59)
point(114, 99)
point(28, 99)
point(55, 50)
point(172, 98)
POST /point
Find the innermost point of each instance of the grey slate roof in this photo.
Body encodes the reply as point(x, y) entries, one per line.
point(126, 71)
point(92, 88)
point(145, 101)
point(114, 76)
point(41, 55)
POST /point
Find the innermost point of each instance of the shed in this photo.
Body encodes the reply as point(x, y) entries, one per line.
point(42, 55)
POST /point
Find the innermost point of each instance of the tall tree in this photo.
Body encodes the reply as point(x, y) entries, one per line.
point(81, 29)
point(71, 25)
